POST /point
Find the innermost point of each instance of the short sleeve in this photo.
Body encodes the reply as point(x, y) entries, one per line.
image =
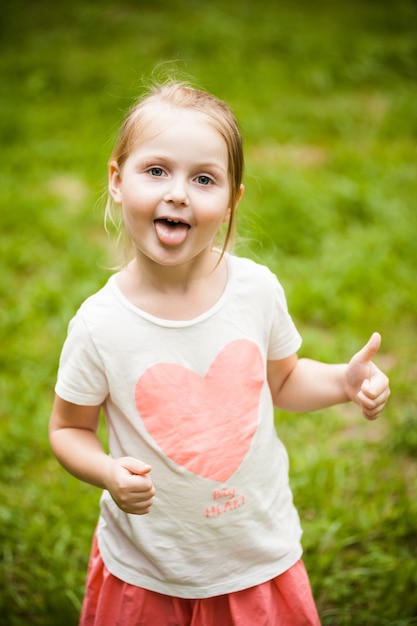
point(284, 339)
point(81, 375)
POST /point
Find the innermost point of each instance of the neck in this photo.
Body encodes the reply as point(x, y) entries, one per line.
point(174, 292)
point(173, 279)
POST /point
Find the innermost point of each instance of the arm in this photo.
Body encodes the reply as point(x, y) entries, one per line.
point(301, 385)
point(74, 441)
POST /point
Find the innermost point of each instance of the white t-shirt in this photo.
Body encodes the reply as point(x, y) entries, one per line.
point(191, 399)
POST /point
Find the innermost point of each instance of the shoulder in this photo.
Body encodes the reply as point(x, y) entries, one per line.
point(244, 265)
point(101, 320)
point(253, 274)
point(104, 298)
point(98, 307)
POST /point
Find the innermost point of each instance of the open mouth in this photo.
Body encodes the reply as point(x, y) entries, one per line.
point(171, 232)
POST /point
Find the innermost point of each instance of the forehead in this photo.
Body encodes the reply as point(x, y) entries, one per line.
point(162, 120)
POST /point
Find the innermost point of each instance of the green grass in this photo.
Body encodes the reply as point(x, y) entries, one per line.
point(326, 95)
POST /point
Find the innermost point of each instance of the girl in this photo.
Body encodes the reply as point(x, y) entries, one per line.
point(187, 350)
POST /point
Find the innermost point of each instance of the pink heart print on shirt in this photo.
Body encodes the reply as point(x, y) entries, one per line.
point(205, 424)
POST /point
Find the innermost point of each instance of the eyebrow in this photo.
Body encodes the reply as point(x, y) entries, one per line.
point(211, 166)
point(204, 165)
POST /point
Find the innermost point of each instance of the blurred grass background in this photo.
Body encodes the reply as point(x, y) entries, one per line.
point(326, 95)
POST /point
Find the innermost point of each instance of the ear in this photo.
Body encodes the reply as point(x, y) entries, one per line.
point(240, 194)
point(115, 182)
point(238, 199)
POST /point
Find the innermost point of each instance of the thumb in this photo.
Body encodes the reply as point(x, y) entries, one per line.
point(135, 466)
point(369, 349)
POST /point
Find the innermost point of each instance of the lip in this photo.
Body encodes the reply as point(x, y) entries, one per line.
point(172, 220)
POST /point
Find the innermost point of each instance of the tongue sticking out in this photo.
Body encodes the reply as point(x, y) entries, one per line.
point(171, 233)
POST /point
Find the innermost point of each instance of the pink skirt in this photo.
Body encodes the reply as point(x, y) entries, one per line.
point(284, 601)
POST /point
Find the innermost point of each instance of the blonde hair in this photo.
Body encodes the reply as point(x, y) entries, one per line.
point(183, 96)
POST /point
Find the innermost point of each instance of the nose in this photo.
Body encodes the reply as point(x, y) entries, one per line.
point(177, 192)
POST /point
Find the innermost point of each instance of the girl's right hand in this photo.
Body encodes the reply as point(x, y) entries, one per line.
point(130, 485)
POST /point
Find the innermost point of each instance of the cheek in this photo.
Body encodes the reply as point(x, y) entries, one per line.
point(136, 203)
point(132, 213)
point(214, 216)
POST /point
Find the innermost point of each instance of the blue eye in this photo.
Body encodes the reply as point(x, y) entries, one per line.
point(156, 171)
point(204, 180)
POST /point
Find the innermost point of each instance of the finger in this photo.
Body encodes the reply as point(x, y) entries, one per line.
point(377, 383)
point(138, 508)
point(127, 484)
point(142, 489)
point(143, 502)
point(369, 388)
point(372, 408)
point(369, 349)
point(370, 405)
point(143, 499)
point(135, 466)
point(135, 500)
point(143, 509)
point(373, 414)
point(372, 394)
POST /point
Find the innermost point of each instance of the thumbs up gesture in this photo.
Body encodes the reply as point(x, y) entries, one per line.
point(365, 383)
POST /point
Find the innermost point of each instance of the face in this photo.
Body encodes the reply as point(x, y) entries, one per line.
point(174, 189)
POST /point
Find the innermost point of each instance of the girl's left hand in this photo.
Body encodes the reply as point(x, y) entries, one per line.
point(365, 383)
